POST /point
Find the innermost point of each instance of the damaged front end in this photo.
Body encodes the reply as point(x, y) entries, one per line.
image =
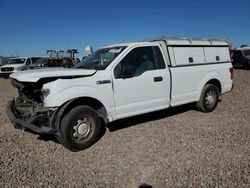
point(26, 111)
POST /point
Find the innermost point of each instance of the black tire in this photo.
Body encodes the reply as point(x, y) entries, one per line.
point(209, 98)
point(80, 128)
point(6, 77)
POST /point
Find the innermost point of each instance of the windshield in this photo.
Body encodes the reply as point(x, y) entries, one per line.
point(17, 61)
point(100, 59)
point(246, 52)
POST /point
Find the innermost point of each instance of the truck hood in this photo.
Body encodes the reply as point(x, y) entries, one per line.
point(50, 73)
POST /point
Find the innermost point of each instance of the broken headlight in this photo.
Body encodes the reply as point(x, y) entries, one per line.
point(45, 92)
point(42, 93)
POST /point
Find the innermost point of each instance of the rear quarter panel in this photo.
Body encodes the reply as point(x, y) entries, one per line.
point(188, 81)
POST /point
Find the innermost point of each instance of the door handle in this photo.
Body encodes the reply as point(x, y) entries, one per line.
point(158, 79)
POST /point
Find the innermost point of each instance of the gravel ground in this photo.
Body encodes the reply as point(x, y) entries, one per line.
point(179, 147)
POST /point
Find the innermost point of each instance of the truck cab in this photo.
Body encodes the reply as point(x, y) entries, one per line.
point(120, 81)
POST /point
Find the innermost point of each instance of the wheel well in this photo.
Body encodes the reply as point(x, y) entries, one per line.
point(88, 101)
point(216, 83)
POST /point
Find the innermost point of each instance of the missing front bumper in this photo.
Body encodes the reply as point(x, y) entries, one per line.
point(34, 124)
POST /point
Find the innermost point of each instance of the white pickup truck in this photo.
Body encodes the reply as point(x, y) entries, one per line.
point(119, 81)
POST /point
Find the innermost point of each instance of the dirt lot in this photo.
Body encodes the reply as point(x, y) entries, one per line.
point(179, 147)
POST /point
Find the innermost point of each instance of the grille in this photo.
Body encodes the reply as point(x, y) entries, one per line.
point(5, 69)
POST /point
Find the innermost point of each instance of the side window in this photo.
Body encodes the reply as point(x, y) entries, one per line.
point(28, 62)
point(134, 64)
point(159, 58)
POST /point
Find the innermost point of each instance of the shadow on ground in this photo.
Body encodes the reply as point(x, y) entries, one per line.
point(133, 121)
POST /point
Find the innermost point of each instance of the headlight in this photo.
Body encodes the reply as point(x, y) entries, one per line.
point(42, 94)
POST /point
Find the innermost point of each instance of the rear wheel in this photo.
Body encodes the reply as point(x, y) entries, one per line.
point(209, 98)
point(80, 128)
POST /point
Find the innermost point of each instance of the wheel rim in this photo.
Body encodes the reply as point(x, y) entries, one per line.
point(82, 129)
point(210, 98)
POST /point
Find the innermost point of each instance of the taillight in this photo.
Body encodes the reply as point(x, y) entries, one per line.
point(231, 70)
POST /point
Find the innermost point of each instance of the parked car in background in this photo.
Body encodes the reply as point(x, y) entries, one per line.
point(33, 63)
point(20, 64)
point(46, 62)
point(241, 57)
point(28, 63)
point(53, 62)
point(60, 62)
point(12, 66)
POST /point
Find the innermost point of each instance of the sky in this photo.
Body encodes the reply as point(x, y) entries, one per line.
point(30, 27)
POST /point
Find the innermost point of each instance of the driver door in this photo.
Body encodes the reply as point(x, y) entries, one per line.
point(141, 82)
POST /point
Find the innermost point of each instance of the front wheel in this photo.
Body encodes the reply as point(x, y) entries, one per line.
point(209, 98)
point(80, 128)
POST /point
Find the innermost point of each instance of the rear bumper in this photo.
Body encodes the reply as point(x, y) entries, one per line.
point(30, 124)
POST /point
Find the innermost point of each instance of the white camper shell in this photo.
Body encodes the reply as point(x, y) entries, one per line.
point(186, 52)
